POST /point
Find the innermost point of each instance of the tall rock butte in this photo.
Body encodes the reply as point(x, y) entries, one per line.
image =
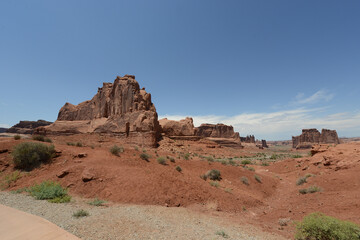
point(120, 108)
point(313, 136)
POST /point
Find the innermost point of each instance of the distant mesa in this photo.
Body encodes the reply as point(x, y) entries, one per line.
point(120, 108)
point(313, 136)
point(216, 131)
point(2, 130)
point(248, 139)
point(184, 127)
point(27, 127)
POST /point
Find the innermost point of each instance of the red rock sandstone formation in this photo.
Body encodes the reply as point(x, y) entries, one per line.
point(184, 127)
point(216, 131)
point(313, 136)
point(27, 127)
point(248, 139)
point(120, 108)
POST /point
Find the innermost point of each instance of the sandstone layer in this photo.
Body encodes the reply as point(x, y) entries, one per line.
point(120, 108)
point(313, 136)
point(216, 131)
point(27, 127)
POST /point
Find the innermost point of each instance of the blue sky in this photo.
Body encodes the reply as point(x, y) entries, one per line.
point(268, 68)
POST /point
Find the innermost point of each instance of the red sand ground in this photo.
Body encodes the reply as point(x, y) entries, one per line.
point(129, 179)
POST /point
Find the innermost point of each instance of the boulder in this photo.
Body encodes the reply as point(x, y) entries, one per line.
point(121, 109)
point(184, 127)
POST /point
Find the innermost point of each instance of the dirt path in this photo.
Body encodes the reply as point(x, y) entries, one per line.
point(134, 221)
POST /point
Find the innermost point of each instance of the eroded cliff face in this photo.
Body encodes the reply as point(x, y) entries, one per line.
point(216, 131)
point(313, 136)
point(120, 108)
point(183, 127)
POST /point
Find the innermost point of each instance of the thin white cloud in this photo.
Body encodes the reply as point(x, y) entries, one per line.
point(2, 125)
point(321, 95)
point(283, 124)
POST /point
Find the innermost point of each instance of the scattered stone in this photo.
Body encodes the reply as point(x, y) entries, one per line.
point(82, 155)
point(88, 175)
point(63, 173)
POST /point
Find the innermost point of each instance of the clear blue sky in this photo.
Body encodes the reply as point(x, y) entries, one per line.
point(269, 68)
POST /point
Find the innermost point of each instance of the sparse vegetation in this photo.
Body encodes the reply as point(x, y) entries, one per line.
point(245, 162)
point(115, 150)
point(70, 144)
point(214, 183)
point(311, 189)
point(264, 163)
point(161, 160)
point(303, 180)
point(40, 138)
point(28, 155)
point(10, 178)
point(222, 234)
point(213, 174)
point(297, 156)
point(171, 159)
point(186, 156)
point(178, 168)
point(51, 191)
point(258, 178)
point(17, 137)
point(250, 168)
point(97, 202)
point(81, 213)
point(317, 226)
point(145, 156)
point(244, 180)
point(79, 144)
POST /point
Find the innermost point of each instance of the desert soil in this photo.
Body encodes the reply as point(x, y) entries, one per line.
point(115, 221)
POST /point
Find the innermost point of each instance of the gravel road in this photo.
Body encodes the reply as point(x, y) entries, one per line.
point(132, 221)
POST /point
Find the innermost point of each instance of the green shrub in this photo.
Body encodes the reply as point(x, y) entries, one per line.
point(10, 178)
point(297, 156)
point(186, 156)
point(209, 159)
point(80, 213)
point(97, 202)
point(203, 177)
point(274, 156)
point(317, 226)
point(40, 138)
point(161, 160)
point(311, 189)
point(17, 137)
point(51, 191)
point(245, 162)
point(145, 156)
point(214, 174)
point(70, 144)
point(79, 144)
point(178, 168)
point(250, 169)
point(28, 155)
point(115, 150)
point(301, 181)
point(171, 159)
point(244, 180)
point(214, 183)
point(258, 178)
point(264, 164)
point(47, 140)
point(222, 234)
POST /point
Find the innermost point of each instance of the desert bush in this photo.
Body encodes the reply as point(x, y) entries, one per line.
point(10, 178)
point(214, 174)
point(311, 189)
point(80, 213)
point(28, 155)
point(47, 140)
point(258, 178)
point(209, 159)
point(244, 180)
point(178, 168)
point(250, 169)
point(274, 156)
point(40, 138)
point(245, 162)
point(115, 150)
point(297, 156)
point(70, 144)
point(161, 160)
point(317, 226)
point(51, 191)
point(145, 156)
point(171, 159)
point(222, 234)
point(97, 202)
point(214, 183)
point(264, 164)
point(186, 156)
point(79, 144)
point(17, 137)
point(301, 181)
point(203, 177)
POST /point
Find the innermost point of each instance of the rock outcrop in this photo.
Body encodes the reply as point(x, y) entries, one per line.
point(2, 130)
point(184, 127)
point(313, 136)
point(264, 144)
point(216, 131)
point(248, 139)
point(27, 127)
point(120, 108)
